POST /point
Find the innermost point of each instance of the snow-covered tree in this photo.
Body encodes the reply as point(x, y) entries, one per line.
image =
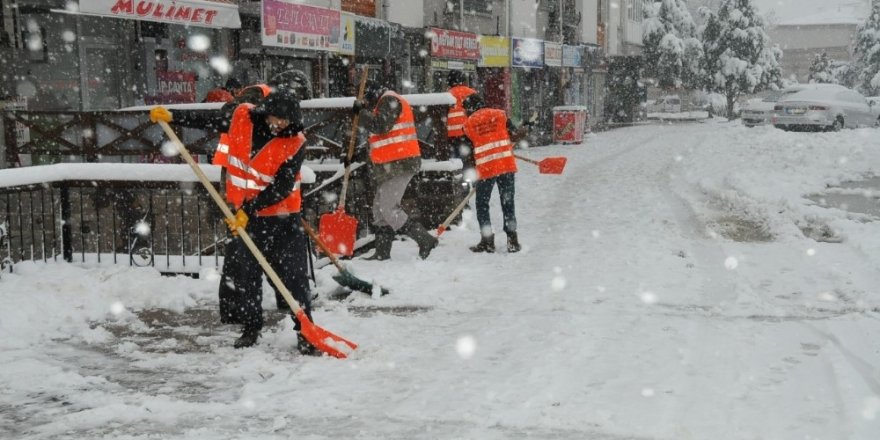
point(868, 52)
point(737, 55)
point(670, 47)
point(827, 70)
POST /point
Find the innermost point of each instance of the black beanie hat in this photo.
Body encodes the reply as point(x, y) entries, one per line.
point(473, 103)
point(283, 104)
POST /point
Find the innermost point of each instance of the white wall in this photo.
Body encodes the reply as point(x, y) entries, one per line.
point(589, 21)
point(522, 19)
point(409, 13)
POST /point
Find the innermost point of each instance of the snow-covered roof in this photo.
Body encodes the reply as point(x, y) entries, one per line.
point(416, 99)
point(35, 175)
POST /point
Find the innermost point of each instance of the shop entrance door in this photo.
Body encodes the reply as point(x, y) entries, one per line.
point(100, 76)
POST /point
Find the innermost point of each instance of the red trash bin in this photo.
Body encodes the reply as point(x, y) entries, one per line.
point(569, 124)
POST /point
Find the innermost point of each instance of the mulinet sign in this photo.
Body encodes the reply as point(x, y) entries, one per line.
point(186, 12)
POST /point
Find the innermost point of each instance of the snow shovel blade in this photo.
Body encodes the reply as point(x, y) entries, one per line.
point(346, 279)
point(323, 340)
point(552, 165)
point(338, 231)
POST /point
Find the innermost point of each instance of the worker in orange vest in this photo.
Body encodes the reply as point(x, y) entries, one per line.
point(456, 117)
point(493, 135)
point(265, 151)
point(396, 158)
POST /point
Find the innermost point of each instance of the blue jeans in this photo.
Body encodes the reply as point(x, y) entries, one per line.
point(507, 191)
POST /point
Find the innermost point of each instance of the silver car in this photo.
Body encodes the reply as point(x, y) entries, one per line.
point(760, 111)
point(823, 107)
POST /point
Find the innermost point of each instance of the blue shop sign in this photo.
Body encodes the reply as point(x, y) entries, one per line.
point(527, 52)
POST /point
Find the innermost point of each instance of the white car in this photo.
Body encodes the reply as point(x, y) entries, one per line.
point(759, 111)
point(823, 107)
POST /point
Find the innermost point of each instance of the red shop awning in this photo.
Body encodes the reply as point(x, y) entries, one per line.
point(204, 13)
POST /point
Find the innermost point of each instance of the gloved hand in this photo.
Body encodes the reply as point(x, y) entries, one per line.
point(239, 221)
point(160, 113)
point(357, 106)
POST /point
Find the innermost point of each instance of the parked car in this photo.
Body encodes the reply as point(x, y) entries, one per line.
point(665, 104)
point(759, 111)
point(823, 107)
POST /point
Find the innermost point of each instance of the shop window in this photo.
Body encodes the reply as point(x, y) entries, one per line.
point(473, 6)
point(36, 45)
point(150, 29)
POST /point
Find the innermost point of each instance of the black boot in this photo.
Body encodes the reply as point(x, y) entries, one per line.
point(248, 338)
point(305, 347)
point(384, 238)
point(513, 243)
point(486, 244)
point(417, 232)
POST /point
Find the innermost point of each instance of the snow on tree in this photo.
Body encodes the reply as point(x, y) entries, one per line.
point(670, 47)
point(868, 52)
point(826, 70)
point(737, 55)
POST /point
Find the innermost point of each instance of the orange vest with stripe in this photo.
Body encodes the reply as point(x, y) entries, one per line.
point(221, 155)
point(456, 117)
point(401, 142)
point(246, 176)
point(493, 151)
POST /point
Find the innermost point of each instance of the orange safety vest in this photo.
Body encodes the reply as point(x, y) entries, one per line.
point(493, 151)
point(221, 154)
point(456, 117)
point(401, 142)
point(246, 176)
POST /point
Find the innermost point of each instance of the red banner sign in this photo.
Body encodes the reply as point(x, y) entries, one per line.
point(455, 44)
point(186, 12)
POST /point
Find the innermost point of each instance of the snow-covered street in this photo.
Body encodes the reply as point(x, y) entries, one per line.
point(676, 282)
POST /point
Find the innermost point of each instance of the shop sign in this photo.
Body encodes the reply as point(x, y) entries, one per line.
point(367, 8)
point(527, 52)
point(294, 25)
point(552, 54)
point(186, 12)
point(571, 56)
point(346, 34)
point(176, 87)
point(494, 51)
point(22, 132)
point(454, 44)
point(467, 66)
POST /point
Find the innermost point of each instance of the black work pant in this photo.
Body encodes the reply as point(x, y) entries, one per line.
point(282, 241)
point(506, 191)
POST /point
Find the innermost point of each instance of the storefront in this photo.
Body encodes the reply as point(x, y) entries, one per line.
point(527, 78)
point(451, 50)
point(493, 71)
point(107, 54)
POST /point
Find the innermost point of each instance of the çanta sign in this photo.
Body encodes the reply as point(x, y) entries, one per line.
point(454, 44)
point(176, 87)
point(186, 12)
point(293, 25)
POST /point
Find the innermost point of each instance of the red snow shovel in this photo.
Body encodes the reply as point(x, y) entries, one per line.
point(549, 165)
point(442, 228)
point(323, 340)
point(338, 230)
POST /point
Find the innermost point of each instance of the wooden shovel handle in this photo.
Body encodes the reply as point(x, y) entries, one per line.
point(352, 141)
point(455, 212)
point(321, 245)
point(526, 159)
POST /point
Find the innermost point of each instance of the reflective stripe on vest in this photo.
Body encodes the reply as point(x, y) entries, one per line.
point(493, 151)
point(221, 155)
point(456, 116)
point(401, 142)
point(246, 176)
